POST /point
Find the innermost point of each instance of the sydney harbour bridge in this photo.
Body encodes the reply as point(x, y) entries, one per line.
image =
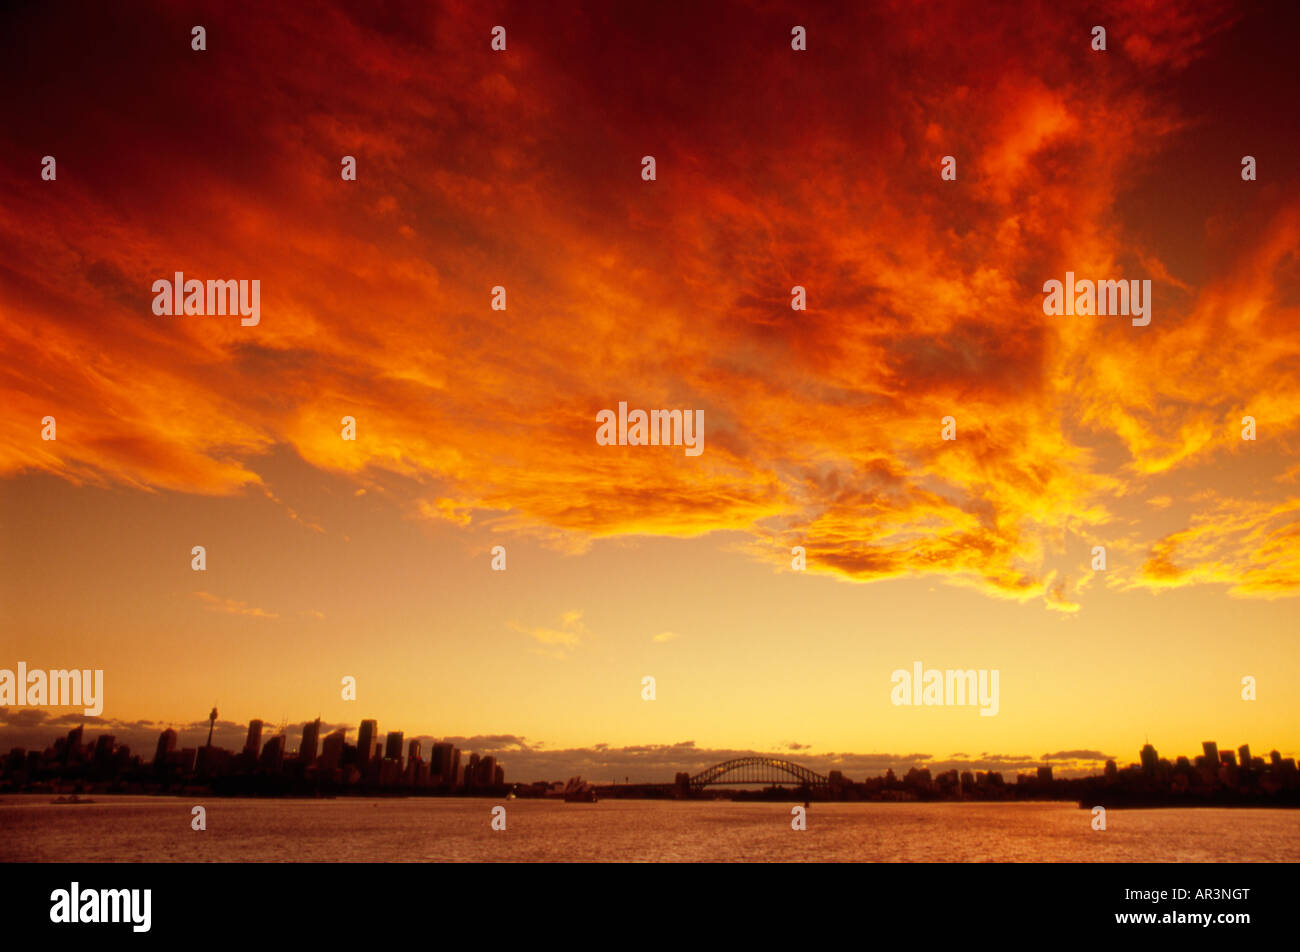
point(751, 770)
point(769, 772)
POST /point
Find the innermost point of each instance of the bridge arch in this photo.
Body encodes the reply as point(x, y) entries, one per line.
point(757, 770)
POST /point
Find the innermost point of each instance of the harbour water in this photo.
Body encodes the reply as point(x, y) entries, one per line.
point(158, 829)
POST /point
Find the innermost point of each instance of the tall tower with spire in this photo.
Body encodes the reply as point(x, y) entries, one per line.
point(212, 722)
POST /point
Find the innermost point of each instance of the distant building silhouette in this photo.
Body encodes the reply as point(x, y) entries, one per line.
point(366, 743)
point(307, 749)
point(254, 742)
point(393, 751)
point(72, 747)
point(273, 754)
point(471, 771)
point(331, 755)
point(166, 745)
point(440, 764)
point(417, 771)
point(1149, 759)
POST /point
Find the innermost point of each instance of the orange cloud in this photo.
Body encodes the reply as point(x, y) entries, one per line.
point(557, 641)
point(230, 606)
point(822, 426)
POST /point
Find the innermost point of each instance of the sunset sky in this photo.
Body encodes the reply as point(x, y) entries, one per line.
point(475, 428)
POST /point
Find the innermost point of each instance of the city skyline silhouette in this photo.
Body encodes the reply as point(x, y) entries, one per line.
point(330, 762)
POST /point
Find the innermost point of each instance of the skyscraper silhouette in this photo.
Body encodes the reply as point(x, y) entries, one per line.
point(332, 751)
point(441, 762)
point(273, 753)
point(166, 744)
point(307, 749)
point(254, 742)
point(72, 747)
point(1149, 759)
point(394, 749)
point(366, 743)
